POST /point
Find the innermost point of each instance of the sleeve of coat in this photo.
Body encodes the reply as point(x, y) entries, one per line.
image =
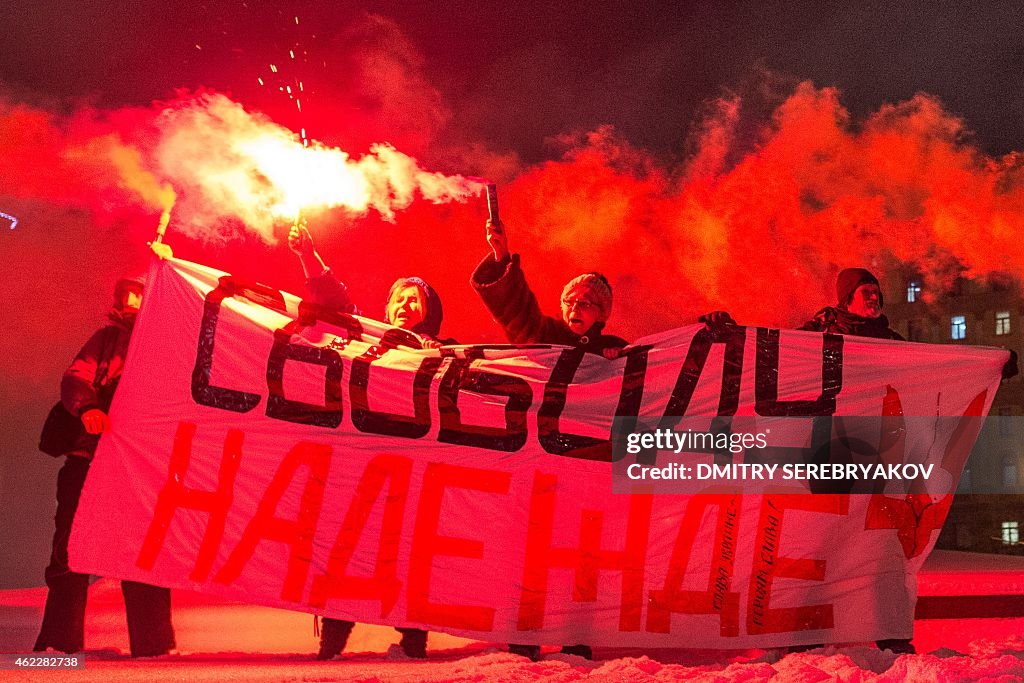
point(819, 323)
point(505, 292)
point(77, 387)
point(330, 292)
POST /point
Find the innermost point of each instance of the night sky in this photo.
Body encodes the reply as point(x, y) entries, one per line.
point(516, 73)
point(502, 89)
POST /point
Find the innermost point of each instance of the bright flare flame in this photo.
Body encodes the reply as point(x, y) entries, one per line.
point(230, 163)
point(304, 177)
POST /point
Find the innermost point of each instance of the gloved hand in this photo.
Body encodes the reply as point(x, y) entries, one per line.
point(162, 251)
point(613, 352)
point(95, 421)
point(300, 241)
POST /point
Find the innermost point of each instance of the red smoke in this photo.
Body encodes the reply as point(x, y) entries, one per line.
point(81, 161)
point(757, 228)
point(764, 236)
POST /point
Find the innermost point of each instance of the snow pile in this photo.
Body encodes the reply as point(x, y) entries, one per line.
point(222, 642)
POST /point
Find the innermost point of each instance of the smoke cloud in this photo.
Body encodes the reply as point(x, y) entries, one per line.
point(756, 224)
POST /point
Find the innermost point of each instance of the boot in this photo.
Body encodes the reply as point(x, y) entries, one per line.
point(578, 650)
point(413, 643)
point(63, 626)
point(148, 608)
point(333, 636)
point(531, 652)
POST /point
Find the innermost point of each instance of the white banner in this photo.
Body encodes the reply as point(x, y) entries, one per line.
point(262, 455)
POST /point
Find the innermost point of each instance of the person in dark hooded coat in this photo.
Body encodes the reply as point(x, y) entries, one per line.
point(87, 390)
point(412, 305)
point(858, 312)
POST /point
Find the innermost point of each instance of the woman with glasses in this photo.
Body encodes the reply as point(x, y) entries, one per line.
point(586, 303)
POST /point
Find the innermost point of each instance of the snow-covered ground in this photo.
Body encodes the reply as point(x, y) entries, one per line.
point(222, 641)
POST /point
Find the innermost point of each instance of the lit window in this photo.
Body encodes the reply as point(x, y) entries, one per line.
point(1002, 322)
point(913, 291)
point(958, 328)
point(1010, 533)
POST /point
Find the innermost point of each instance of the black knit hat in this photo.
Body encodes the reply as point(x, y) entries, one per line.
point(849, 280)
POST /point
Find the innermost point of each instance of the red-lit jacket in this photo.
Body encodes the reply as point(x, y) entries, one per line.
point(837, 321)
point(503, 287)
point(93, 375)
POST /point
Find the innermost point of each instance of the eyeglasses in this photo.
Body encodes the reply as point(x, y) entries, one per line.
point(581, 304)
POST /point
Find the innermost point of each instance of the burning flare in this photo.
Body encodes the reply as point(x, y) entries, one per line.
point(231, 163)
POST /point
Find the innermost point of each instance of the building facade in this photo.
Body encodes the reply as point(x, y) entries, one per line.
point(988, 511)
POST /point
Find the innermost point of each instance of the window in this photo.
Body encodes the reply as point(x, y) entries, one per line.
point(1010, 533)
point(958, 329)
point(1002, 322)
point(913, 291)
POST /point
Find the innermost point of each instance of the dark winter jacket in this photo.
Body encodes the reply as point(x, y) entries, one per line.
point(328, 291)
point(838, 321)
point(503, 287)
point(91, 379)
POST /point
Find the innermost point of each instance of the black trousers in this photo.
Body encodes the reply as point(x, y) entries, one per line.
point(148, 607)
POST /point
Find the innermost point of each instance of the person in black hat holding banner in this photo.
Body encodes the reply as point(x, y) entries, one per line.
point(858, 310)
